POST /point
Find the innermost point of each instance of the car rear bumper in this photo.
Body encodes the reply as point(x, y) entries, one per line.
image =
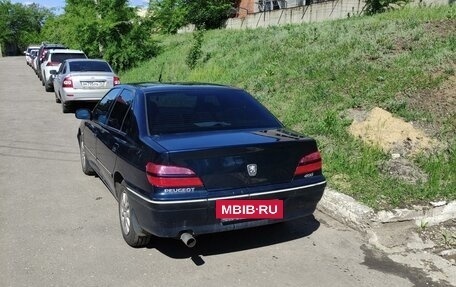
point(171, 218)
point(76, 95)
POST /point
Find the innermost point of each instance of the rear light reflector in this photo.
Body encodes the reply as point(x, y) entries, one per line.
point(116, 81)
point(309, 163)
point(67, 82)
point(171, 176)
point(52, 64)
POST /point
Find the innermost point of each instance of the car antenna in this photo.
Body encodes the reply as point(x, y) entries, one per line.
point(161, 73)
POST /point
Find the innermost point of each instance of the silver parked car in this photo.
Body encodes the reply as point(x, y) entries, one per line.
point(82, 81)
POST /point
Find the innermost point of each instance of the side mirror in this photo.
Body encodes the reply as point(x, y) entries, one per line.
point(83, 114)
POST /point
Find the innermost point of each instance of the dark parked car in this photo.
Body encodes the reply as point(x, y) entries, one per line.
point(172, 153)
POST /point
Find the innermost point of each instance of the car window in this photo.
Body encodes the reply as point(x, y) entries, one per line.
point(62, 68)
point(204, 110)
point(60, 57)
point(90, 66)
point(120, 108)
point(130, 125)
point(101, 110)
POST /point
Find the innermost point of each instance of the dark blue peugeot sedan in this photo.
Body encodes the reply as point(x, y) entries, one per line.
point(190, 159)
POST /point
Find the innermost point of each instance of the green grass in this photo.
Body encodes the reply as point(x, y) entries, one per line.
point(309, 75)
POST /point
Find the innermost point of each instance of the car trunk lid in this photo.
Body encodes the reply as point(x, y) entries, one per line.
point(238, 159)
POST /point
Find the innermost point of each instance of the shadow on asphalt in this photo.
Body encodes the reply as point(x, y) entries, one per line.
point(233, 241)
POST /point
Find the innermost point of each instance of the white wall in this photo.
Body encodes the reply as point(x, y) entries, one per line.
point(303, 14)
point(317, 12)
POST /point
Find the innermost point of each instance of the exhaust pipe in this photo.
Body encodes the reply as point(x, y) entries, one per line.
point(188, 239)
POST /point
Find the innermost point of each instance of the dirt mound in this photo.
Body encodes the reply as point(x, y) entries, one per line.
point(392, 135)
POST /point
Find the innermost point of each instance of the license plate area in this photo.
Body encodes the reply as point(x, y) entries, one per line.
point(234, 210)
point(93, 84)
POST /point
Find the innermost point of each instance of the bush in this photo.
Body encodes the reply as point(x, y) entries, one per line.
point(195, 51)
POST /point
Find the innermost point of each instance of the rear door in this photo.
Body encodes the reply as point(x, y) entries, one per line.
point(58, 79)
point(110, 137)
point(95, 127)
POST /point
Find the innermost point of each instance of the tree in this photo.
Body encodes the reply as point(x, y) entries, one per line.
point(168, 15)
point(104, 28)
point(208, 14)
point(20, 25)
point(379, 6)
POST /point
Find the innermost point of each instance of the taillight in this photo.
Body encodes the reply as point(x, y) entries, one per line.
point(309, 163)
point(67, 82)
point(116, 81)
point(52, 64)
point(171, 176)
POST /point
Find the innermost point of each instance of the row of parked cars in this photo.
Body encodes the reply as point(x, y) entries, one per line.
point(70, 74)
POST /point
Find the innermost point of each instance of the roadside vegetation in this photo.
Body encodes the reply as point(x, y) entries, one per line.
point(313, 76)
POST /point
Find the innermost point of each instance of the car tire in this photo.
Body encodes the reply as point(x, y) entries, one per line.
point(65, 108)
point(131, 231)
point(57, 97)
point(85, 164)
point(48, 88)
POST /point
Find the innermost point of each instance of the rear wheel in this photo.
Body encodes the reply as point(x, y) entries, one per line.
point(57, 98)
point(66, 108)
point(85, 165)
point(49, 88)
point(128, 222)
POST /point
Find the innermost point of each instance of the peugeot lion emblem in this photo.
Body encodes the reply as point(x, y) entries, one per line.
point(252, 169)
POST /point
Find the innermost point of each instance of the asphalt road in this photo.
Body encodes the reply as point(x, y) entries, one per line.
point(59, 227)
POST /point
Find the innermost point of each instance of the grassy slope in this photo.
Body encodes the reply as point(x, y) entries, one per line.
point(310, 75)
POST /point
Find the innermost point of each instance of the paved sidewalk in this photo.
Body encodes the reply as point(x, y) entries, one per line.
point(397, 232)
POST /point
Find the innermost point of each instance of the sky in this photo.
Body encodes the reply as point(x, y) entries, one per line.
point(59, 4)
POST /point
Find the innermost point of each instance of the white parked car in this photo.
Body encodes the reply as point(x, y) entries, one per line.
point(82, 81)
point(28, 52)
point(53, 60)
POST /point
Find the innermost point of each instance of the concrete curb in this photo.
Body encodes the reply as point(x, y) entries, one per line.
point(346, 209)
point(421, 215)
point(360, 217)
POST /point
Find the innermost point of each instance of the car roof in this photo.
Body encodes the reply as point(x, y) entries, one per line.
point(158, 86)
point(85, 60)
point(52, 45)
point(65, 51)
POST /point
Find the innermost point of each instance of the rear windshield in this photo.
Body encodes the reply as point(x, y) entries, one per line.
point(60, 57)
point(205, 110)
point(89, 66)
